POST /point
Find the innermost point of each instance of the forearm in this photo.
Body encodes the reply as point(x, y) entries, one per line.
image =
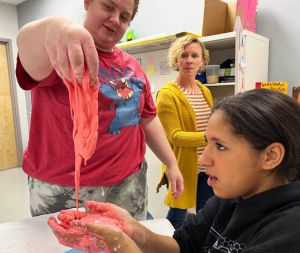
point(187, 139)
point(150, 242)
point(126, 245)
point(32, 42)
point(134, 236)
point(157, 141)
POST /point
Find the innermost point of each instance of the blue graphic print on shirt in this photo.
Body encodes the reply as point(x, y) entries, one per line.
point(125, 94)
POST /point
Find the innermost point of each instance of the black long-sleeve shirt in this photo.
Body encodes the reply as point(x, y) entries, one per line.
point(268, 222)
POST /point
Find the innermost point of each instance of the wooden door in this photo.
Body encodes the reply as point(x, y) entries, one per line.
point(8, 144)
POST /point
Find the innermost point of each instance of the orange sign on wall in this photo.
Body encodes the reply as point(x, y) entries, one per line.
point(279, 86)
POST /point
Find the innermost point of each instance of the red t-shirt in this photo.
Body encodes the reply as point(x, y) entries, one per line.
point(124, 97)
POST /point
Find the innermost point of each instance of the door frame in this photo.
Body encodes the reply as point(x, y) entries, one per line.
point(14, 97)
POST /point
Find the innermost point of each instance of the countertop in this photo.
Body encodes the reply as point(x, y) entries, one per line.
point(33, 235)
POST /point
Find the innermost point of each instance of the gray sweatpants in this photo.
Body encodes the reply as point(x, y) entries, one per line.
point(131, 194)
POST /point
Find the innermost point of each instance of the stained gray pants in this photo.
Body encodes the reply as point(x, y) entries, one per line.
point(131, 194)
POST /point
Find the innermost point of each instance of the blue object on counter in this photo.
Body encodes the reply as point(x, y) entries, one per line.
point(73, 251)
point(77, 251)
point(201, 77)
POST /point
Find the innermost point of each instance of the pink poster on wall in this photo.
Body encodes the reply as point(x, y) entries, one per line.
point(247, 9)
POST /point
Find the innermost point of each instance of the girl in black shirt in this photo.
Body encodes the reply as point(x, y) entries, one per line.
point(252, 159)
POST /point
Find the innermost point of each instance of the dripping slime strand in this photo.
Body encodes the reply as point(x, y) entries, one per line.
point(84, 112)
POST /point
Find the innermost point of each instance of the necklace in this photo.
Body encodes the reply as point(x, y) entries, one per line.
point(192, 89)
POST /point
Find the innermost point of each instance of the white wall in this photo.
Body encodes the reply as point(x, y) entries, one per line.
point(279, 21)
point(34, 9)
point(168, 16)
point(8, 30)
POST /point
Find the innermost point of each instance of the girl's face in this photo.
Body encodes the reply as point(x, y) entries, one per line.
point(233, 166)
point(190, 61)
point(107, 20)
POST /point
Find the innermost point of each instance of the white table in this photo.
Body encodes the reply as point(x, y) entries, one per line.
point(33, 235)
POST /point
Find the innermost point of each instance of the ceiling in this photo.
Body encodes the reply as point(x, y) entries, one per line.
point(13, 2)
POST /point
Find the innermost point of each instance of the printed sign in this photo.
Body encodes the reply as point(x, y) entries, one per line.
point(164, 68)
point(279, 86)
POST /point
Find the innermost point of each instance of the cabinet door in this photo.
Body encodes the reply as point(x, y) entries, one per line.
point(256, 57)
point(8, 145)
point(252, 55)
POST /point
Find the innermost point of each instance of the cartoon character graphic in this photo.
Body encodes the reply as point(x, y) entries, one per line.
point(125, 93)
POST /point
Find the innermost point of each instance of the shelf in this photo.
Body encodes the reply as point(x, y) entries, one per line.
point(219, 41)
point(219, 84)
point(214, 42)
point(151, 43)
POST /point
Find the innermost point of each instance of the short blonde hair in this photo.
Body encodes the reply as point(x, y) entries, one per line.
point(177, 48)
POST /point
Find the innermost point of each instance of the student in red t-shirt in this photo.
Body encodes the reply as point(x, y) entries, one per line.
point(116, 173)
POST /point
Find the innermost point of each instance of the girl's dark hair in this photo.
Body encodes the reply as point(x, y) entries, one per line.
point(265, 116)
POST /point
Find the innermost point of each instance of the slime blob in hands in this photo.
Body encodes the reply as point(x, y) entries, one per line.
point(71, 231)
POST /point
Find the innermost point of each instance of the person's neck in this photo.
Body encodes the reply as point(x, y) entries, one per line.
point(187, 83)
point(272, 181)
point(109, 50)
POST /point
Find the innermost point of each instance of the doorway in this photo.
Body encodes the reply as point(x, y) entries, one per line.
point(10, 149)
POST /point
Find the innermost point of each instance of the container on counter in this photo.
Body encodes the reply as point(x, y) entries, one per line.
point(212, 73)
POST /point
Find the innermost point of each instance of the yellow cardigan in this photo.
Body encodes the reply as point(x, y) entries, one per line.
point(179, 122)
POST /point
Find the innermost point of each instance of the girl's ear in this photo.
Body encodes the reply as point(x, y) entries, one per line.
point(273, 156)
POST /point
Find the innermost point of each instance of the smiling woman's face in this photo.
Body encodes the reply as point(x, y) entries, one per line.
point(233, 166)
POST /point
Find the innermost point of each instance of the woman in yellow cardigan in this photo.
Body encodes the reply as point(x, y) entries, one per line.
point(184, 107)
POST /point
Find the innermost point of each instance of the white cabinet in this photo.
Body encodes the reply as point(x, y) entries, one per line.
point(250, 51)
point(251, 54)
